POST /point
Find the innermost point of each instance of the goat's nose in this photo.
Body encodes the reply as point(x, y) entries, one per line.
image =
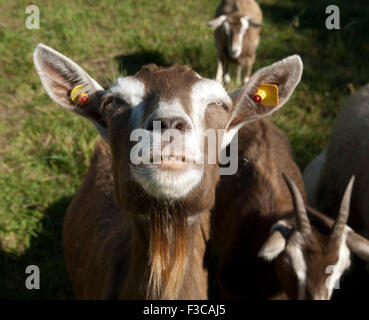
point(170, 123)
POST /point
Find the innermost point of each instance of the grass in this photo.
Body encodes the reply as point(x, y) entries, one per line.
point(44, 150)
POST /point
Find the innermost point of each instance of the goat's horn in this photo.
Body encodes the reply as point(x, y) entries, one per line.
point(343, 215)
point(303, 224)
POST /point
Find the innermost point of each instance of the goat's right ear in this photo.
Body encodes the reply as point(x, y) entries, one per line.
point(358, 245)
point(59, 75)
point(276, 241)
point(217, 22)
point(284, 74)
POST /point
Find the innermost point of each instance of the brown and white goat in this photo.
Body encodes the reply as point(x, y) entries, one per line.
point(237, 33)
point(140, 231)
point(310, 253)
point(248, 205)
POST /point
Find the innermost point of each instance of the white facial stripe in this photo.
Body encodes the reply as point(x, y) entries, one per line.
point(226, 28)
point(130, 89)
point(237, 45)
point(204, 92)
point(294, 250)
point(342, 264)
point(170, 110)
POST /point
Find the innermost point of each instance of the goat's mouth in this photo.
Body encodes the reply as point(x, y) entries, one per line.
point(172, 177)
point(171, 162)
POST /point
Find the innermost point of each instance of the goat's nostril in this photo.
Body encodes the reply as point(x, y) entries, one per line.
point(180, 124)
point(169, 123)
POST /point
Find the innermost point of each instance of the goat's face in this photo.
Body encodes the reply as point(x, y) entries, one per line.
point(310, 255)
point(235, 27)
point(310, 266)
point(183, 106)
point(175, 105)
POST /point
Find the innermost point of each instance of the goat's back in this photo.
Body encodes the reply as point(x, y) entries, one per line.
point(95, 239)
point(348, 154)
point(244, 7)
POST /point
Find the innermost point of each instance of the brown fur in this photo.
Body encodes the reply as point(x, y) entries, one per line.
point(260, 197)
point(319, 249)
point(101, 243)
point(162, 256)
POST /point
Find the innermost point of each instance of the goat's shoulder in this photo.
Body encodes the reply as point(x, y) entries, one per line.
point(95, 228)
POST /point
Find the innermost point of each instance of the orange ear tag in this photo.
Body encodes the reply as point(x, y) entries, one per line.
point(267, 95)
point(78, 96)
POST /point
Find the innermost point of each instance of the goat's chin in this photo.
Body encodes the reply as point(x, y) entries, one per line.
point(167, 181)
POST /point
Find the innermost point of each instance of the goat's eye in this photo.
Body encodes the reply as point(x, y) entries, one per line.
point(222, 105)
point(110, 100)
point(119, 101)
point(107, 101)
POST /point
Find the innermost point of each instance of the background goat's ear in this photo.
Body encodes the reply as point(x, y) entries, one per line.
point(217, 22)
point(253, 23)
point(358, 245)
point(59, 75)
point(286, 74)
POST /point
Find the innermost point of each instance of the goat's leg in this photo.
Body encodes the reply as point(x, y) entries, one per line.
point(249, 63)
point(238, 75)
point(227, 77)
point(219, 76)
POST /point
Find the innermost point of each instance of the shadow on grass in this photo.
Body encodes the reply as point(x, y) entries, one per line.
point(132, 63)
point(45, 252)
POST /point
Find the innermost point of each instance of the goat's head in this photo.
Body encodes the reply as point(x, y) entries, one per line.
point(310, 256)
point(235, 27)
point(184, 103)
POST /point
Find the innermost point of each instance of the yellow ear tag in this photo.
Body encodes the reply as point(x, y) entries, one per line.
point(78, 96)
point(267, 95)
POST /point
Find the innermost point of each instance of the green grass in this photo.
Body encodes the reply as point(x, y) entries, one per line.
point(44, 150)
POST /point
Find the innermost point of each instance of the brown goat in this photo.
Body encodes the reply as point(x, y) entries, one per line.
point(139, 230)
point(237, 33)
point(310, 253)
point(254, 218)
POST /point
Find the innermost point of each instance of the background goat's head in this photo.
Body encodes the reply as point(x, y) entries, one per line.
point(235, 27)
point(311, 257)
point(182, 101)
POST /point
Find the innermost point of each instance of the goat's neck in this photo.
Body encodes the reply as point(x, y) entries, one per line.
point(194, 285)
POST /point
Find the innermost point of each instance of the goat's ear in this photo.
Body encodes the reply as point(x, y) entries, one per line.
point(59, 75)
point(358, 245)
point(276, 241)
point(217, 22)
point(285, 74)
point(253, 23)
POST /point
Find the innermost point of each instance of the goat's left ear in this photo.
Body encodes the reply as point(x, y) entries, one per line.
point(358, 245)
point(253, 23)
point(285, 74)
point(276, 241)
point(60, 75)
point(217, 22)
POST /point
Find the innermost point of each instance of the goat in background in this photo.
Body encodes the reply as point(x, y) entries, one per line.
point(237, 34)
